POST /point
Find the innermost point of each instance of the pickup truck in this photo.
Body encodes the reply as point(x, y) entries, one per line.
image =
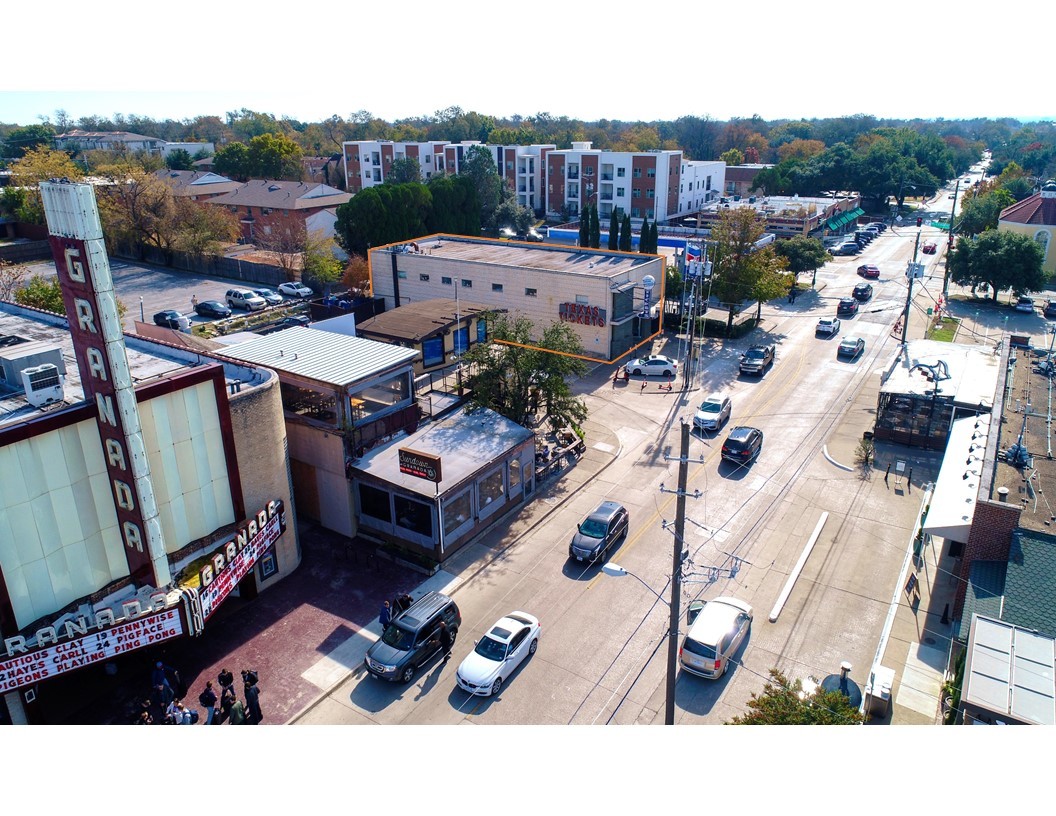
point(758, 359)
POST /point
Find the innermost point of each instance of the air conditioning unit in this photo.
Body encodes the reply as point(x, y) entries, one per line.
point(43, 384)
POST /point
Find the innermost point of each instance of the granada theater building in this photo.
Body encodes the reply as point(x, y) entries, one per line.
point(126, 515)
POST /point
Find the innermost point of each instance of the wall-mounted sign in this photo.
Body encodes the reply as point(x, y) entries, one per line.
point(231, 562)
point(51, 661)
point(582, 313)
point(422, 465)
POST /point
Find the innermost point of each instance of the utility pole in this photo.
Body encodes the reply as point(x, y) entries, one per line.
point(949, 246)
point(910, 273)
point(676, 576)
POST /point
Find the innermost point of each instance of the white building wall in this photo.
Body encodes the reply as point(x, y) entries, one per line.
point(693, 185)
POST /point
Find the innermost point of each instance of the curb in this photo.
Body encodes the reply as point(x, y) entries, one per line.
point(825, 452)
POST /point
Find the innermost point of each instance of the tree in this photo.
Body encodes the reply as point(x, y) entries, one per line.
point(382, 215)
point(732, 157)
point(505, 375)
point(742, 271)
point(595, 228)
point(275, 156)
point(654, 238)
point(980, 212)
point(403, 171)
point(36, 165)
point(233, 161)
point(479, 165)
point(455, 207)
point(584, 226)
point(803, 254)
point(644, 236)
point(179, 159)
point(42, 293)
point(784, 703)
point(20, 140)
point(625, 234)
point(1000, 259)
point(11, 277)
point(614, 229)
point(318, 260)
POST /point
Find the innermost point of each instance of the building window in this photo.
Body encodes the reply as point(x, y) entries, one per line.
point(401, 275)
point(650, 193)
point(496, 287)
point(415, 516)
point(467, 284)
point(492, 488)
point(651, 172)
point(621, 172)
point(1042, 238)
point(374, 503)
point(482, 330)
point(515, 476)
point(637, 172)
point(620, 192)
point(636, 192)
point(422, 276)
point(457, 511)
point(265, 210)
point(446, 281)
point(433, 352)
point(379, 398)
point(708, 184)
point(588, 171)
point(582, 299)
point(635, 212)
point(530, 293)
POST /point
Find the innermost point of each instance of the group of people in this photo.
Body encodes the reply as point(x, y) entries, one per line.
point(165, 705)
point(390, 609)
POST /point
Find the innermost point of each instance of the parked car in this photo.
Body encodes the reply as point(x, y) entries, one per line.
point(827, 326)
point(850, 347)
point(1025, 304)
point(530, 235)
point(869, 271)
point(847, 248)
point(758, 359)
point(171, 319)
point(411, 639)
point(212, 308)
point(713, 412)
point(715, 636)
point(847, 307)
point(864, 235)
point(294, 289)
point(271, 297)
point(245, 299)
point(742, 445)
point(497, 655)
point(863, 292)
point(598, 532)
point(929, 248)
point(653, 364)
point(1050, 309)
point(293, 320)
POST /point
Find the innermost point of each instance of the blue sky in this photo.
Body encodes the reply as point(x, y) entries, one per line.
point(932, 59)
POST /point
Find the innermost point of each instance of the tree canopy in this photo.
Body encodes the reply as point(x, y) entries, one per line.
point(784, 703)
point(741, 271)
point(1004, 261)
point(505, 375)
point(36, 165)
point(269, 155)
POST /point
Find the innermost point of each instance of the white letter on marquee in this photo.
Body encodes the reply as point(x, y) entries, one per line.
point(85, 315)
point(96, 364)
point(133, 538)
point(115, 454)
point(123, 495)
point(74, 268)
point(15, 645)
point(105, 404)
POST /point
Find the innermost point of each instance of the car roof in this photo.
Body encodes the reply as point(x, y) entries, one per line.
point(423, 609)
point(850, 338)
point(742, 432)
point(507, 626)
point(606, 510)
point(847, 300)
point(715, 618)
point(716, 397)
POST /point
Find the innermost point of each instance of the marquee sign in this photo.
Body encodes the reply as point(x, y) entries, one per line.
point(76, 238)
point(582, 313)
point(422, 465)
point(30, 668)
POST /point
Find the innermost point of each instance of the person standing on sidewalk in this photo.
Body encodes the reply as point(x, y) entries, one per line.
point(253, 713)
point(208, 701)
point(385, 615)
point(228, 698)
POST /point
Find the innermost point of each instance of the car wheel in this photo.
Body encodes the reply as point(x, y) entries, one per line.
point(496, 687)
point(637, 371)
point(408, 674)
point(534, 646)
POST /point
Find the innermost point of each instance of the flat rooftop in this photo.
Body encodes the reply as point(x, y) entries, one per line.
point(148, 360)
point(547, 257)
point(421, 319)
point(973, 372)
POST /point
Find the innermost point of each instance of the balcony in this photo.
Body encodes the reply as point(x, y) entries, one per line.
point(573, 175)
point(606, 176)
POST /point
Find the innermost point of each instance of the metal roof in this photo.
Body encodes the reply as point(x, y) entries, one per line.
point(1010, 671)
point(956, 489)
point(334, 359)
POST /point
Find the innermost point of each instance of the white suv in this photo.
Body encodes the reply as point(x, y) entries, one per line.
point(245, 299)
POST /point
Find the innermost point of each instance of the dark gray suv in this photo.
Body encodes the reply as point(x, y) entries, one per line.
point(599, 532)
point(412, 638)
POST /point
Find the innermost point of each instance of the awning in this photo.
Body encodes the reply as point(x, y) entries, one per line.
point(956, 489)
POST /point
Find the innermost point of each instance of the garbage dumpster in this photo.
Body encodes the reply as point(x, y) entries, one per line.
point(878, 691)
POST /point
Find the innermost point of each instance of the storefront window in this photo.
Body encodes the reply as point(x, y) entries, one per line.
point(380, 397)
point(304, 402)
point(515, 476)
point(492, 488)
point(374, 503)
point(456, 512)
point(414, 516)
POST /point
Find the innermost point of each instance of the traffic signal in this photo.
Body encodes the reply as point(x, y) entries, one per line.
point(920, 221)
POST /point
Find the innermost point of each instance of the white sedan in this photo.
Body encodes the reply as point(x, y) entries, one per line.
point(654, 364)
point(294, 289)
point(498, 654)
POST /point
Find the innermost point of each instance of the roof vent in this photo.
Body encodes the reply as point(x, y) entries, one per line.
point(1002, 494)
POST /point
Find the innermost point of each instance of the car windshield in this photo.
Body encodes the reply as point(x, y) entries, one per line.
point(397, 637)
point(709, 407)
point(491, 649)
point(593, 528)
point(755, 353)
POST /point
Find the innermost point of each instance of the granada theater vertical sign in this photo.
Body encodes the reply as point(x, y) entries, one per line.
point(76, 238)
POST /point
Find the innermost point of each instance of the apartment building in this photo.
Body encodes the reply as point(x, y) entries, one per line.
point(367, 163)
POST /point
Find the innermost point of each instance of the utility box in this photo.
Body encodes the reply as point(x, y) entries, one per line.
point(878, 691)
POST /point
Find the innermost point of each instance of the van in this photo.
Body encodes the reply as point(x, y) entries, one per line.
point(715, 636)
point(411, 639)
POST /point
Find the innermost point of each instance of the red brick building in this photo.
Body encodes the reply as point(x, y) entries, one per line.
point(274, 212)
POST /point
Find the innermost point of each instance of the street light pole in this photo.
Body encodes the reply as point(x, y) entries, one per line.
point(676, 577)
point(949, 246)
point(909, 293)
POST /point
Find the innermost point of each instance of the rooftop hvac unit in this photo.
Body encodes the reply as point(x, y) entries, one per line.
point(43, 385)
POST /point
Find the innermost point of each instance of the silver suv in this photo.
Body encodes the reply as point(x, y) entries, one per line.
point(245, 299)
point(714, 637)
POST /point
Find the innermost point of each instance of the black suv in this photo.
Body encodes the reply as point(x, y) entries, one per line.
point(742, 445)
point(599, 532)
point(863, 291)
point(412, 638)
point(847, 307)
